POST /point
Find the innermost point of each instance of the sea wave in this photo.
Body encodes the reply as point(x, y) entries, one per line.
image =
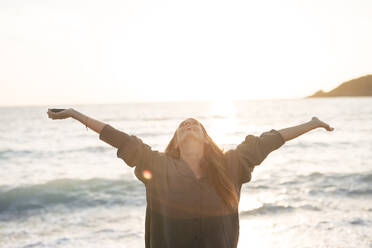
point(270, 208)
point(8, 153)
point(343, 192)
point(351, 184)
point(266, 209)
point(72, 193)
point(12, 153)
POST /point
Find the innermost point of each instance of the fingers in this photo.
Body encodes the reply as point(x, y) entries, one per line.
point(61, 114)
point(329, 128)
point(51, 115)
point(323, 124)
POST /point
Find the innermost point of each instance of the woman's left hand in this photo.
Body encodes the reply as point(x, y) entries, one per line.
point(60, 115)
point(320, 123)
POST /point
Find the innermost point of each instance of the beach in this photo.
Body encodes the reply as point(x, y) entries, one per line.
point(60, 186)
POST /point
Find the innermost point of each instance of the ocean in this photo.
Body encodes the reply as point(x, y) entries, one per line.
point(60, 186)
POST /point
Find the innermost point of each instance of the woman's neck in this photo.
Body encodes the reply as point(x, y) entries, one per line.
point(192, 151)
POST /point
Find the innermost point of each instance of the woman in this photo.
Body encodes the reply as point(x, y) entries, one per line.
point(193, 187)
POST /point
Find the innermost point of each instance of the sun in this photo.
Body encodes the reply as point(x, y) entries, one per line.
point(223, 120)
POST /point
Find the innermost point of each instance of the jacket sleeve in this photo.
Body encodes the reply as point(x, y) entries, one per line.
point(135, 153)
point(254, 149)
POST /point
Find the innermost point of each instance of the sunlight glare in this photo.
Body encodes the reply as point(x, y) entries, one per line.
point(223, 113)
point(147, 174)
point(254, 233)
point(248, 203)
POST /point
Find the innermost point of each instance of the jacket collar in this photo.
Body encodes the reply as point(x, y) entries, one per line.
point(185, 169)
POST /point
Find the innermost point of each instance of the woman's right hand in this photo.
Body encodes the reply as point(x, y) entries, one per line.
point(60, 115)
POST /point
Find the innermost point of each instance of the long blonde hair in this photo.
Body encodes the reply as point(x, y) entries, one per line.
point(216, 169)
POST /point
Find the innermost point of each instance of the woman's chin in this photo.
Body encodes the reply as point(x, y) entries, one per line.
point(191, 136)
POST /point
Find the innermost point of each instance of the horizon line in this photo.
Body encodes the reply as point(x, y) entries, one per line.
point(163, 101)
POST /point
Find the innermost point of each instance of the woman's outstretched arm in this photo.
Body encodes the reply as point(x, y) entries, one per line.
point(130, 148)
point(295, 131)
point(93, 124)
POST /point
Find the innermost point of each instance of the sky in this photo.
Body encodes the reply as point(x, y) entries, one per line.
point(114, 51)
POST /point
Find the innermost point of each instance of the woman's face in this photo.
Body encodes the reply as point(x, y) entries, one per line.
point(190, 128)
